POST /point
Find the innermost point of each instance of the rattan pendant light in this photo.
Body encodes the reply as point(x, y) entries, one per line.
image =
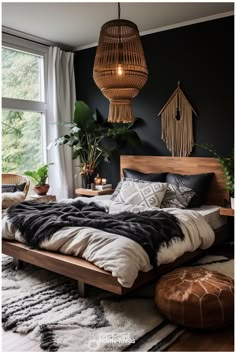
point(120, 69)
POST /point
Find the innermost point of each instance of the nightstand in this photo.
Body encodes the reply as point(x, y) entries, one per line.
point(42, 198)
point(227, 211)
point(91, 192)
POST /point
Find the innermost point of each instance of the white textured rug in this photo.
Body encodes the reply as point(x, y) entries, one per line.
point(46, 307)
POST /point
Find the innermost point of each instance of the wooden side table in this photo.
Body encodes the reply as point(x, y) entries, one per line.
point(91, 192)
point(42, 198)
point(227, 211)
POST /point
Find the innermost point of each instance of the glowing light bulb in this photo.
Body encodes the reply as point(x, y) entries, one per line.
point(120, 70)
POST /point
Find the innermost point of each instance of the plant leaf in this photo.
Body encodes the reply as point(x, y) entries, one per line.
point(83, 116)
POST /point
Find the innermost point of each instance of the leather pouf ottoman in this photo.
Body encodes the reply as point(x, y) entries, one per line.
point(196, 298)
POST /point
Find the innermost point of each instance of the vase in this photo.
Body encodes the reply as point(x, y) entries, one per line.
point(87, 180)
point(232, 202)
point(84, 181)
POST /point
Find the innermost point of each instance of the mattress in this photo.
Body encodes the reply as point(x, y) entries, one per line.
point(212, 216)
point(209, 212)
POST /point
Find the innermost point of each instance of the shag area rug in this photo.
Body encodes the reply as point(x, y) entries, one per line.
point(46, 306)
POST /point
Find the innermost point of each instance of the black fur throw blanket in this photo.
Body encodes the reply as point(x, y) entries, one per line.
point(38, 221)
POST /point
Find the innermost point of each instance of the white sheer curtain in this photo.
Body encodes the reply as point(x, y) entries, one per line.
point(60, 108)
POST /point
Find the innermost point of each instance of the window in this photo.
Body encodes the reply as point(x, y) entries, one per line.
point(24, 108)
point(22, 145)
point(21, 75)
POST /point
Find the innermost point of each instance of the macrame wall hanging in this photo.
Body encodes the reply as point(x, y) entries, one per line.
point(176, 121)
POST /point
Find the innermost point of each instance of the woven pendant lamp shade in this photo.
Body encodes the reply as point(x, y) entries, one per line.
point(120, 69)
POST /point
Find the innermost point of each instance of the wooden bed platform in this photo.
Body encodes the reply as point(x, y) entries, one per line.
point(87, 273)
point(84, 271)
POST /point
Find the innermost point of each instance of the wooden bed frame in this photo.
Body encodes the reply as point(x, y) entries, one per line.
point(87, 273)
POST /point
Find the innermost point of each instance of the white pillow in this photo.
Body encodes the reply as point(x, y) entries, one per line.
point(9, 199)
point(148, 194)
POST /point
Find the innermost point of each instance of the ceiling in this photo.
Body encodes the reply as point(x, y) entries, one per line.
point(78, 24)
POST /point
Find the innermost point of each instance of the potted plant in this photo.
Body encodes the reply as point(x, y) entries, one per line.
point(40, 176)
point(93, 139)
point(227, 164)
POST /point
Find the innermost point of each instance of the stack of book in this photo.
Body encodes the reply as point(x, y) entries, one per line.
point(102, 187)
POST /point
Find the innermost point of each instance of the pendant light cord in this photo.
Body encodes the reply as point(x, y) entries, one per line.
point(118, 10)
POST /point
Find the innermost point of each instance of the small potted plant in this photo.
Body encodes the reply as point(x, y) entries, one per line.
point(227, 164)
point(40, 176)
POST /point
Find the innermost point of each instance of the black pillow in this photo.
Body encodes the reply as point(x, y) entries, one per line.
point(13, 187)
point(198, 183)
point(151, 177)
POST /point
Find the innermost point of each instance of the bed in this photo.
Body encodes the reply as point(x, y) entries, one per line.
point(87, 273)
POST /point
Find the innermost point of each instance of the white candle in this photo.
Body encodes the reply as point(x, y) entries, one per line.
point(104, 180)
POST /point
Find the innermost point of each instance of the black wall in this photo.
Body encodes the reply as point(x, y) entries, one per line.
point(201, 56)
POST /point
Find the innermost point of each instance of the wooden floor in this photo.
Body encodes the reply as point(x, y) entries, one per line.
point(190, 341)
point(14, 342)
point(204, 341)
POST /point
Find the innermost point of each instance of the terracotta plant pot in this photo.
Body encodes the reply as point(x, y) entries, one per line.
point(41, 190)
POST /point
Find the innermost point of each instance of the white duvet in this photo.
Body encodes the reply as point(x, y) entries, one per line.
point(119, 255)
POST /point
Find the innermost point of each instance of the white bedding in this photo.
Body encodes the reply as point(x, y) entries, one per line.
point(121, 256)
point(212, 216)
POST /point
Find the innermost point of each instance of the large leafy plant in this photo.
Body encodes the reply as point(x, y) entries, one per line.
point(227, 164)
point(39, 175)
point(93, 139)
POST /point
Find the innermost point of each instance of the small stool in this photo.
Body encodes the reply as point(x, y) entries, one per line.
point(196, 298)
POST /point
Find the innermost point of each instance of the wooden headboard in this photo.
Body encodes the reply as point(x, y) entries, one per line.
point(184, 166)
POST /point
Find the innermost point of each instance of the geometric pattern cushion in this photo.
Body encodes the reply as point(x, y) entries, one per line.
point(118, 187)
point(177, 197)
point(136, 176)
point(196, 298)
point(147, 194)
point(117, 190)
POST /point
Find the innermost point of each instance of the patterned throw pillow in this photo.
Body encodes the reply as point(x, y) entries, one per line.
point(177, 197)
point(119, 185)
point(118, 188)
point(148, 194)
point(199, 183)
point(136, 176)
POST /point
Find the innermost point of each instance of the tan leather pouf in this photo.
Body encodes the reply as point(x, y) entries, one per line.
point(196, 297)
